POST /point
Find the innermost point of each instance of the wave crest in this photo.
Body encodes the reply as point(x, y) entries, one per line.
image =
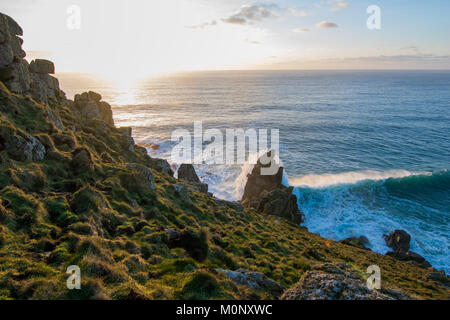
point(325, 180)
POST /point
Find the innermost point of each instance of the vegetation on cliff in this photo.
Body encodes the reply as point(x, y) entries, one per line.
point(76, 190)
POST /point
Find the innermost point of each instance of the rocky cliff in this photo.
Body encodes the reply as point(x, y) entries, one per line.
point(76, 190)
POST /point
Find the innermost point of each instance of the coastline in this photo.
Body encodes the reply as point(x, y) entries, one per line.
point(77, 190)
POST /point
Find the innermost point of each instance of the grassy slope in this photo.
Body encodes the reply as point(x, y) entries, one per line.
point(48, 210)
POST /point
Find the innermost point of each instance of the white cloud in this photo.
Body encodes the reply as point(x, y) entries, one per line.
point(326, 25)
point(248, 14)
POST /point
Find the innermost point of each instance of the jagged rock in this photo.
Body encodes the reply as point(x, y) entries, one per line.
point(42, 66)
point(360, 242)
point(89, 105)
point(163, 166)
point(253, 280)
point(182, 191)
point(187, 172)
point(24, 148)
point(45, 87)
point(398, 240)
point(267, 194)
point(332, 282)
point(411, 257)
point(13, 68)
point(281, 203)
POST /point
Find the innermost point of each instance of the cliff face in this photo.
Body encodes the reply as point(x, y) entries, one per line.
point(76, 190)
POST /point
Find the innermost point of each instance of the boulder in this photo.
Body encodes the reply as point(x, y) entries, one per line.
point(257, 183)
point(89, 105)
point(13, 67)
point(359, 242)
point(398, 240)
point(333, 282)
point(45, 87)
point(42, 66)
point(187, 172)
point(163, 166)
point(253, 280)
point(268, 195)
point(24, 148)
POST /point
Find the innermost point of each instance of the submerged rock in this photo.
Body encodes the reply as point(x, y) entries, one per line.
point(268, 195)
point(333, 282)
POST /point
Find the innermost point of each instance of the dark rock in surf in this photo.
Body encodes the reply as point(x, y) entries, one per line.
point(266, 193)
point(398, 240)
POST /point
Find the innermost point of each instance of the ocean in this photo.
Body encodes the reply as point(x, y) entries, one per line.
point(367, 151)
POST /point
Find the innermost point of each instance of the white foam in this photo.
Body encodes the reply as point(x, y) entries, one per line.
point(329, 179)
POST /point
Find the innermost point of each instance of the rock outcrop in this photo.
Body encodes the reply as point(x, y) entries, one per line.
point(334, 282)
point(90, 105)
point(253, 280)
point(44, 86)
point(187, 172)
point(268, 195)
point(399, 240)
point(13, 67)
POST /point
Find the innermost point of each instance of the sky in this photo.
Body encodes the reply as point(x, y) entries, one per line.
point(136, 38)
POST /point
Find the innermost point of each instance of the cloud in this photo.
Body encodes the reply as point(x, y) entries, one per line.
point(249, 14)
point(337, 5)
point(298, 13)
point(326, 25)
point(301, 30)
point(203, 25)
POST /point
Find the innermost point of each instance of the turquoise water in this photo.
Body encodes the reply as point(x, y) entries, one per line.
point(368, 151)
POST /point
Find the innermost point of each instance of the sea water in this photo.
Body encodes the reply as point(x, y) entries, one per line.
point(367, 151)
